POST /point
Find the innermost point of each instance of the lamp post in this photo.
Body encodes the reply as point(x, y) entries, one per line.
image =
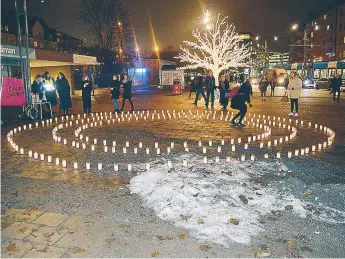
point(121, 42)
point(275, 38)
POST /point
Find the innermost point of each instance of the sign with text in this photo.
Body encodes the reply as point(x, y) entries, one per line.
point(84, 60)
point(12, 92)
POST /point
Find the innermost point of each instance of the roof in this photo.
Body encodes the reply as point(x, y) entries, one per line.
point(67, 36)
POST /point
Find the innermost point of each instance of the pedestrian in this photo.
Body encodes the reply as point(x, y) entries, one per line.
point(86, 94)
point(127, 92)
point(294, 92)
point(115, 91)
point(210, 84)
point(335, 85)
point(239, 101)
point(36, 88)
point(286, 84)
point(63, 88)
point(224, 86)
point(241, 78)
point(199, 89)
point(231, 78)
point(263, 85)
point(192, 86)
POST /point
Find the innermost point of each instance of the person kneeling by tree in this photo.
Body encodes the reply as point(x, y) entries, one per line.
point(239, 101)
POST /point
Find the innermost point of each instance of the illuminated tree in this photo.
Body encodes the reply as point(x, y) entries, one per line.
point(216, 49)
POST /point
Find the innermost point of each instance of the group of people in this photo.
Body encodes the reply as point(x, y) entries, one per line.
point(116, 84)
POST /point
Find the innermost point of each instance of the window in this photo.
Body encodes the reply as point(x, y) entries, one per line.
point(35, 44)
point(312, 34)
point(6, 27)
point(325, 17)
point(317, 73)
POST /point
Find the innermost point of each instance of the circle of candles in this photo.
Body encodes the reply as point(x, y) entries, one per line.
point(99, 166)
point(252, 157)
point(243, 157)
point(64, 163)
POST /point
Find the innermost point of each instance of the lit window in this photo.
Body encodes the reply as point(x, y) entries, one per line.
point(35, 44)
point(6, 27)
point(325, 17)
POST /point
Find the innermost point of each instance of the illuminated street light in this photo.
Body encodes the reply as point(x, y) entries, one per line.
point(119, 23)
point(317, 27)
point(295, 26)
point(258, 45)
point(275, 37)
point(257, 38)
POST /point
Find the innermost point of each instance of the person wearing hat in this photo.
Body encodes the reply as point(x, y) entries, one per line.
point(199, 89)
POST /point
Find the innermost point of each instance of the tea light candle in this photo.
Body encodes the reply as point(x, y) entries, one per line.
point(75, 165)
point(140, 144)
point(124, 150)
point(99, 166)
point(116, 167)
point(35, 155)
point(205, 160)
point(278, 154)
point(252, 157)
point(42, 157)
point(21, 151)
point(158, 151)
point(105, 149)
point(296, 152)
point(313, 148)
point(204, 150)
point(210, 143)
point(147, 166)
point(129, 167)
point(289, 154)
point(64, 163)
point(95, 141)
point(243, 157)
point(147, 151)
point(168, 150)
point(266, 156)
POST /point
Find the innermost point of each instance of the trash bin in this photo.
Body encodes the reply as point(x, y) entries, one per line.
point(177, 87)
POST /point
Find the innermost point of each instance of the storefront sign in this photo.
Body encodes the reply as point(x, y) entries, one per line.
point(84, 60)
point(13, 52)
point(12, 92)
point(332, 64)
point(168, 77)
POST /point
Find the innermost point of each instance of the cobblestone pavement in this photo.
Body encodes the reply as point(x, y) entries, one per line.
point(50, 211)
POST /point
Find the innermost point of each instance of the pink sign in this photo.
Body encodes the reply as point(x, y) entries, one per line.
point(12, 92)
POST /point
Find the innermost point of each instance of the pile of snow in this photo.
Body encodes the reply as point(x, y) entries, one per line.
point(218, 202)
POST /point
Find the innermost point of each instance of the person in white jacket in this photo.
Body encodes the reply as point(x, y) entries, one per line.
point(294, 92)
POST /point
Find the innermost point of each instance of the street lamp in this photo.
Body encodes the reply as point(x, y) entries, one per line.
point(275, 38)
point(294, 26)
point(257, 37)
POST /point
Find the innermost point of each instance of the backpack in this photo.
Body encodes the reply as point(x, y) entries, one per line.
point(233, 92)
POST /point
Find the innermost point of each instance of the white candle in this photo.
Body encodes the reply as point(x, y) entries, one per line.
point(172, 144)
point(185, 144)
point(77, 145)
point(210, 143)
point(93, 147)
point(135, 150)
point(105, 149)
point(249, 139)
point(252, 157)
point(313, 148)
point(22, 151)
point(184, 163)
point(246, 146)
point(324, 144)
point(302, 151)
point(116, 167)
point(239, 140)
point(275, 142)
point(36, 124)
point(81, 136)
point(278, 154)
point(217, 159)
point(265, 155)
point(296, 152)
point(200, 143)
point(169, 164)
point(307, 150)
point(205, 160)
point(30, 126)
point(99, 166)
point(57, 161)
point(64, 163)
point(124, 149)
point(228, 159)
point(129, 167)
point(243, 157)
point(204, 150)
point(140, 144)
point(59, 139)
point(261, 145)
point(104, 142)
point(114, 143)
point(42, 157)
point(316, 126)
point(186, 149)
point(147, 166)
point(319, 146)
point(156, 144)
point(36, 155)
point(147, 151)
point(168, 150)
point(289, 154)
point(286, 138)
point(127, 143)
point(65, 141)
point(95, 141)
point(233, 148)
point(75, 165)
point(158, 151)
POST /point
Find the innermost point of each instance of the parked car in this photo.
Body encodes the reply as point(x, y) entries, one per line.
point(322, 83)
point(308, 83)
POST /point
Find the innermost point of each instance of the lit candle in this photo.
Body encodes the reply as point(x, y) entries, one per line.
point(147, 166)
point(99, 166)
point(135, 150)
point(156, 144)
point(186, 149)
point(172, 144)
point(36, 124)
point(81, 136)
point(222, 142)
point(289, 154)
point(249, 139)
point(114, 143)
point(147, 151)
point(140, 144)
point(185, 144)
point(64, 163)
point(168, 150)
point(169, 164)
point(324, 144)
point(217, 159)
point(265, 155)
point(286, 138)
point(104, 142)
point(233, 148)
point(75, 165)
point(307, 150)
point(228, 159)
point(22, 151)
point(184, 163)
point(204, 150)
point(200, 143)
point(232, 141)
point(105, 149)
point(42, 157)
point(127, 143)
point(315, 126)
point(319, 146)
point(124, 149)
point(35, 155)
point(129, 167)
point(239, 140)
point(210, 143)
point(205, 160)
point(296, 152)
point(59, 139)
point(116, 167)
point(278, 154)
point(95, 141)
point(275, 142)
point(57, 161)
point(252, 157)
point(313, 148)
point(243, 157)
point(158, 151)
point(246, 146)
point(302, 151)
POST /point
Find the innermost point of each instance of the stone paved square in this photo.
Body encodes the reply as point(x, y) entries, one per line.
point(51, 219)
point(44, 251)
point(15, 248)
point(18, 230)
point(46, 235)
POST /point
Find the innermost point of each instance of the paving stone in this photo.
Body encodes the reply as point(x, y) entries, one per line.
point(14, 248)
point(77, 221)
point(22, 215)
point(44, 251)
point(18, 230)
point(46, 235)
point(51, 219)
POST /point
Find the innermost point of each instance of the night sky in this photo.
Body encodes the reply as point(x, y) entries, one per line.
point(173, 20)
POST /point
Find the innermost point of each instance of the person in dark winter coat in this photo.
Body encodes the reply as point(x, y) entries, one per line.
point(239, 101)
point(192, 88)
point(49, 89)
point(115, 91)
point(223, 89)
point(210, 84)
point(335, 85)
point(263, 85)
point(199, 89)
point(63, 89)
point(36, 88)
point(127, 92)
point(86, 93)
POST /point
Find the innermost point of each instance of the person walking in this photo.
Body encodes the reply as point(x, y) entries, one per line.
point(224, 86)
point(115, 91)
point(294, 92)
point(335, 85)
point(263, 85)
point(210, 84)
point(199, 89)
point(86, 94)
point(127, 92)
point(63, 88)
point(239, 101)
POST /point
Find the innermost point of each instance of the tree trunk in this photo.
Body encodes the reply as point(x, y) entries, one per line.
point(216, 76)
